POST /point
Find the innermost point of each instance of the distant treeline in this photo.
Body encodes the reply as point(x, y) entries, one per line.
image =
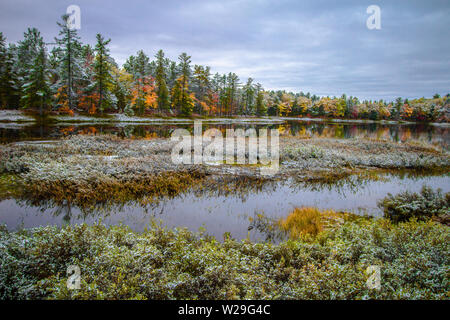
point(75, 78)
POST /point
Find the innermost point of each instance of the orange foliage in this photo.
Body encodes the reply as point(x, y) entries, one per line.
point(144, 92)
point(89, 102)
point(67, 130)
point(407, 111)
point(89, 131)
point(62, 101)
point(209, 105)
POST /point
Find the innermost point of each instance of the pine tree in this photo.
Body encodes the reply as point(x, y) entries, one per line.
point(88, 97)
point(161, 85)
point(9, 95)
point(172, 74)
point(398, 107)
point(202, 87)
point(183, 99)
point(295, 111)
point(37, 90)
point(260, 107)
point(138, 65)
point(249, 93)
point(70, 64)
point(232, 86)
point(102, 72)
point(33, 71)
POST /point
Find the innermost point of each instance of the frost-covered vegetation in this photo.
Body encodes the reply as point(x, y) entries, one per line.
point(86, 169)
point(117, 263)
point(360, 153)
point(422, 206)
point(14, 116)
point(325, 258)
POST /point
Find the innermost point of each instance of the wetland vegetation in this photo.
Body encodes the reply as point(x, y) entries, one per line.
point(308, 253)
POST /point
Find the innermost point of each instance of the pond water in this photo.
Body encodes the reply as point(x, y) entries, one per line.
point(439, 134)
point(218, 213)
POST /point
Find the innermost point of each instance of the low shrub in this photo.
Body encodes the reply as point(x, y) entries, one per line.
point(422, 206)
point(117, 263)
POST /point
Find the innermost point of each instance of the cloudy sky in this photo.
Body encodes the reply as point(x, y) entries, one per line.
point(319, 46)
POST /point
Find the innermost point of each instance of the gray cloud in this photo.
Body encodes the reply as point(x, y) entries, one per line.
point(319, 46)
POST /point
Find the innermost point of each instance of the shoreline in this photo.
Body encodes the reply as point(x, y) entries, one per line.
point(17, 116)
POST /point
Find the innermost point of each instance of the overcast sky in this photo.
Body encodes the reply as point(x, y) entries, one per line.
point(319, 46)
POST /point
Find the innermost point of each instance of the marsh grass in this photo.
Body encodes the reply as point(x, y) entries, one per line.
point(9, 186)
point(82, 193)
point(304, 222)
point(87, 169)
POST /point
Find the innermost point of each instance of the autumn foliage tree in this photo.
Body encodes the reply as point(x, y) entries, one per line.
point(81, 78)
point(143, 95)
point(182, 99)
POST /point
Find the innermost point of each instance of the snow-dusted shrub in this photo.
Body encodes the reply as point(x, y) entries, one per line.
point(422, 206)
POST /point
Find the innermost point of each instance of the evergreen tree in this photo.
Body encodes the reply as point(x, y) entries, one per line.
point(232, 86)
point(172, 74)
point(249, 93)
point(9, 93)
point(161, 85)
point(36, 91)
point(295, 111)
point(33, 71)
point(398, 107)
point(88, 100)
point(102, 72)
point(202, 87)
point(138, 65)
point(70, 64)
point(260, 107)
point(183, 100)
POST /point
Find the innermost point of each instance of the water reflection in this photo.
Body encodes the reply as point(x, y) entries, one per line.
point(219, 212)
point(393, 132)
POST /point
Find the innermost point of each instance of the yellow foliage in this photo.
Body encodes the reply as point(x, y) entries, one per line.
point(303, 103)
point(310, 221)
point(407, 111)
point(144, 95)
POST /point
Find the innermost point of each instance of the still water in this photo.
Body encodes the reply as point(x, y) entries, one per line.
point(439, 134)
point(218, 213)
